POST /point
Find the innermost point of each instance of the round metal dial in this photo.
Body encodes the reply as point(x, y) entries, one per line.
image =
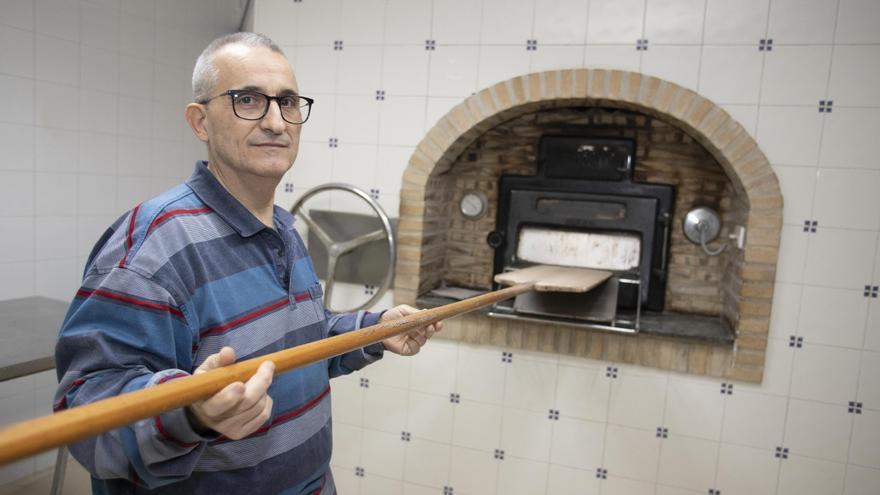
point(473, 204)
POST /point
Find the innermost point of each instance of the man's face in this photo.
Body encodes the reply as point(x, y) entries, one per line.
point(265, 147)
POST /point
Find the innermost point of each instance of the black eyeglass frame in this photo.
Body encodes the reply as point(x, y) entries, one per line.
point(232, 93)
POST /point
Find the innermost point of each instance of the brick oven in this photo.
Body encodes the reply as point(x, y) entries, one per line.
point(698, 313)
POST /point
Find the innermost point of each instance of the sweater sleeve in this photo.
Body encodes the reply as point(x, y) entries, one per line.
point(124, 332)
point(358, 358)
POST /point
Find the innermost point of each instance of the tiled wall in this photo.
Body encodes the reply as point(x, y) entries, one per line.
point(481, 420)
point(92, 124)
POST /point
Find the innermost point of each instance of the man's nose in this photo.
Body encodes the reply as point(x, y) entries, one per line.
point(273, 121)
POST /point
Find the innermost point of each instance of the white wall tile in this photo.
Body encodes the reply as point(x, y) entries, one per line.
point(678, 64)
point(480, 375)
point(55, 235)
point(793, 254)
point(526, 434)
point(347, 444)
point(577, 443)
point(56, 279)
point(687, 462)
point(16, 280)
point(16, 193)
point(869, 380)
point(522, 477)
point(754, 419)
point(453, 71)
point(18, 244)
point(94, 193)
point(383, 454)
point(321, 23)
point(513, 28)
point(405, 70)
point(55, 194)
point(731, 74)
point(530, 384)
point(824, 373)
point(761, 466)
point(847, 136)
point(100, 24)
point(374, 485)
point(637, 401)
point(392, 370)
point(17, 52)
point(567, 481)
point(615, 21)
point(805, 475)
point(853, 81)
point(449, 26)
point(473, 471)
point(797, 21)
point(500, 63)
point(356, 165)
point(138, 36)
point(693, 409)
point(407, 21)
point(385, 408)
point(857, 22)
point(97, 153)
point(872, 334)
point(740, 23)
point(391, 161)
point(562, 22)
point(359, 70)
point(620, 57)
point(797, 185)
point(583, 392)
point(18, 14)
point(790, 135)
point(861, 481)
point(57, 60)
point(865, 446)
point(20, 110)
point(427, 463)
point(17, 143)
point(556, 58)
point(844, 198)
point(315, 69)
point(431, 372)
point(830, 442)
point(786, 304)
point(477, 425)
point(674, 22)
point(833, 316)
point(401, 120)
point(362, 21)
point(57, 18)
point(840, 258)
point(98, 111)
point(795, 75)
point(99, 68)
point(357, 119)
point(631, 453)
point(430, 416)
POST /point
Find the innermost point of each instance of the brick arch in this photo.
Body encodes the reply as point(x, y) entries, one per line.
point(722, 136)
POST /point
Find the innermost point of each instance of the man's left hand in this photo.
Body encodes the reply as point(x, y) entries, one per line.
point(409, 343)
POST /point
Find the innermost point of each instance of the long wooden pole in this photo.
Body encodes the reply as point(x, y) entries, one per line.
point(37, 435)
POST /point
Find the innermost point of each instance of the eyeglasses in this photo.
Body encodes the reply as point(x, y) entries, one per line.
point(253, 105)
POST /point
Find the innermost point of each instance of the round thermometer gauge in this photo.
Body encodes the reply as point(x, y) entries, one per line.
point(473, 205)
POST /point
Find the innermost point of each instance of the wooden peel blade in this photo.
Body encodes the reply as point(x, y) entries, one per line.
point(38, 435)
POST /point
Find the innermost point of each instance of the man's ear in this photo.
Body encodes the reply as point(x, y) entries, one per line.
point(196, 116)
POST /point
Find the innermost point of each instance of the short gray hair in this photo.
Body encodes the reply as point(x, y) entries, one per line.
point(205, 72)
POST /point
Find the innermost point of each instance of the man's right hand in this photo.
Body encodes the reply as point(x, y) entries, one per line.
point(240, 408)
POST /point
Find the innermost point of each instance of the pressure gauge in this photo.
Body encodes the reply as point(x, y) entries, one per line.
point(473, 205)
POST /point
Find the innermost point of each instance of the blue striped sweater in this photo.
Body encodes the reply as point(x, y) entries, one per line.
point(170, 283)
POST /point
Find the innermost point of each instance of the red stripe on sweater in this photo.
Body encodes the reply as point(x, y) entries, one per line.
point(128, 239)
point(284, 417)
point(242, 319)
point(165, 216)
point(130, 300)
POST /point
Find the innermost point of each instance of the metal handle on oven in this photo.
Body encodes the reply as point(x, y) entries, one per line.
point(665, 219)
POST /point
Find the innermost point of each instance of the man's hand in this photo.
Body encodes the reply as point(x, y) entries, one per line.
point(409, 343)
point(240, 408)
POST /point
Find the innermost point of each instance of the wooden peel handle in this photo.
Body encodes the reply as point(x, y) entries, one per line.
point(37, 435)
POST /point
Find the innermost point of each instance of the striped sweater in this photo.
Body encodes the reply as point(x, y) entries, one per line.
point(170, 283)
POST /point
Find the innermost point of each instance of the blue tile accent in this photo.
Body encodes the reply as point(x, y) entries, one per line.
point(454, 398)
point(506, 357)
point(531, 45)
point(447, 490)
point(726, 388)
point(553, 414)
point(601, 473)
point(794, 341)
point(374, 193)
point(337, 45)
point(365, 382)
point(826, 106)
point(499, 454)
point(611, 372)
point(288, 187)
point(334, 142)
point(811, 226)
point(405, 436)
point(369, 290)
point(765, 45)
point(359, 471)
point(855, 407)
point(662, 432)
point(871, 291)
point(782, 452)
point(713, 491)
point(380, 94)
point(430, 45)
point(642, 44)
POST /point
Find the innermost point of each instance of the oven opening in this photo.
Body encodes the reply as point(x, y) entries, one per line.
point(616, 251)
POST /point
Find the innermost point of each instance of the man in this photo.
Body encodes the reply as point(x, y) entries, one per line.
point(200, 274)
